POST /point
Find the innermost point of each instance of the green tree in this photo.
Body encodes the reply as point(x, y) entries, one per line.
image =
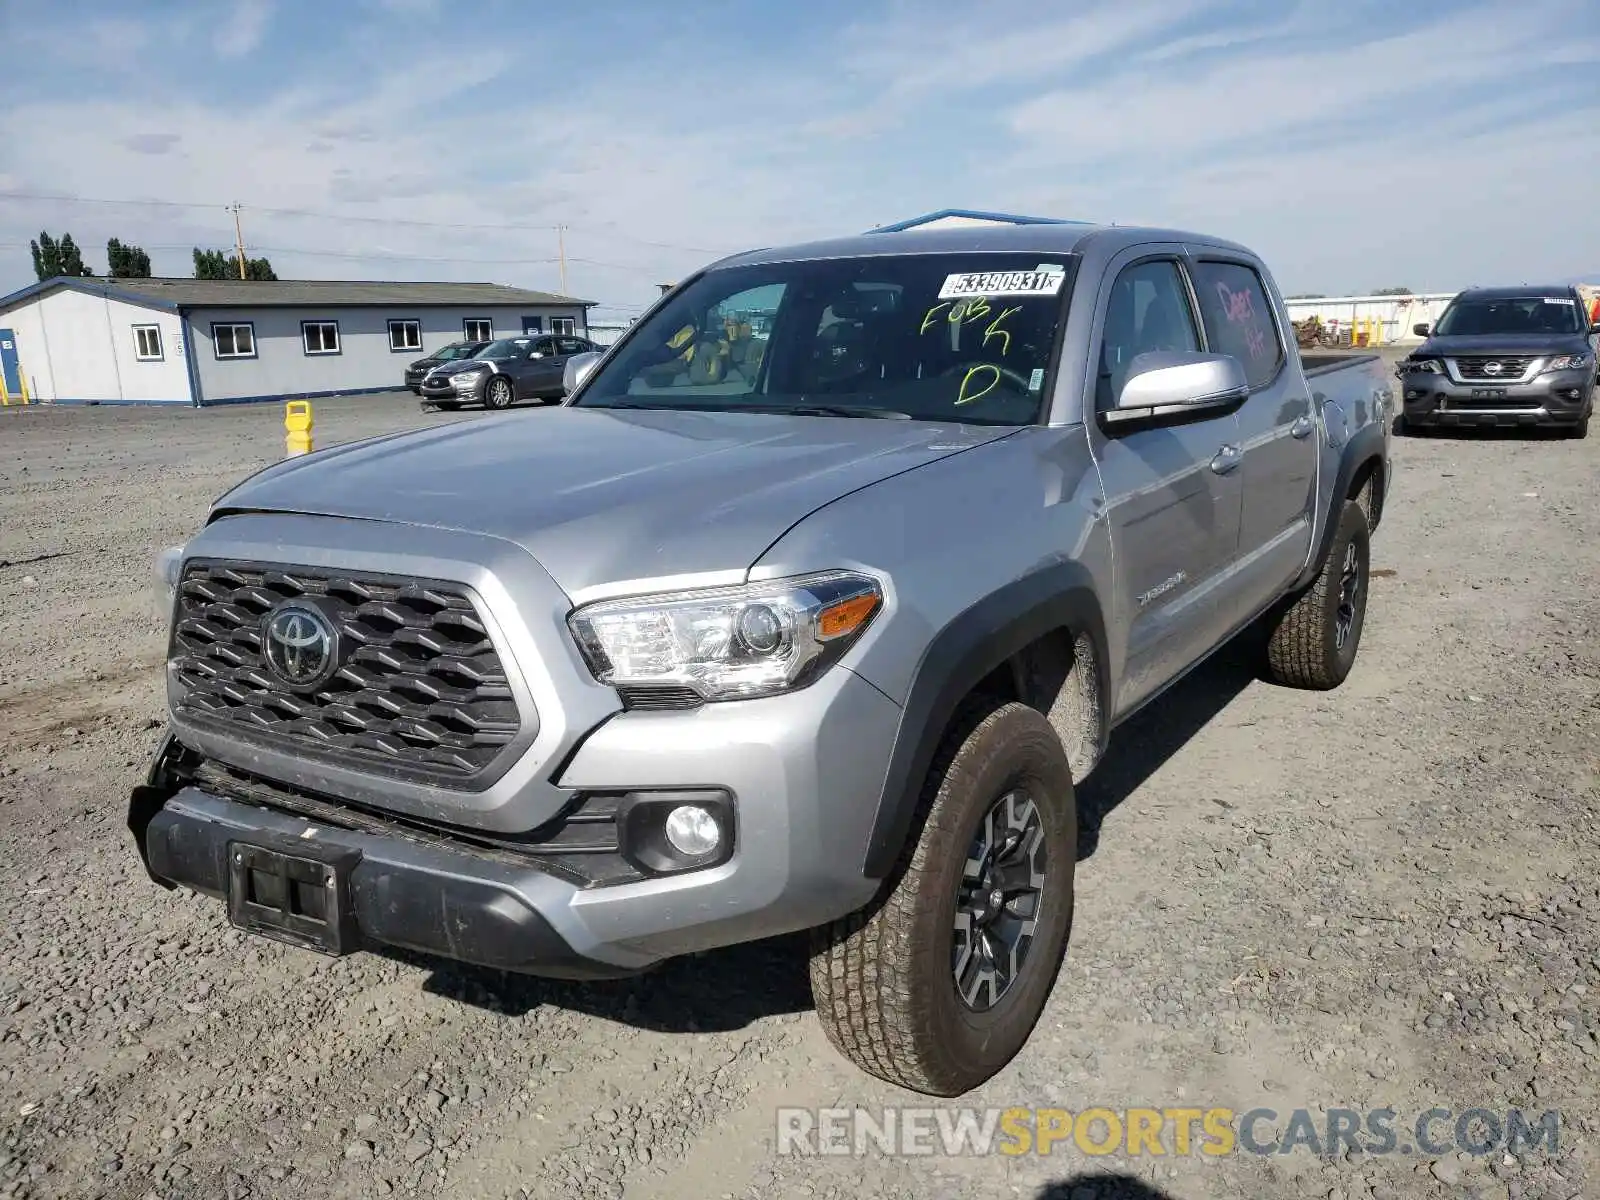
point(52, 258)
point(213, 264)
point(1306, 296)
point(126, 261)
point(1393, 291)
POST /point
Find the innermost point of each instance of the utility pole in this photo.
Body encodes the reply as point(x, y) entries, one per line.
point(238, 232)
point(561, 244)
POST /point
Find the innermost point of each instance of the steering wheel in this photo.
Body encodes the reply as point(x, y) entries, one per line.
point(962, 370)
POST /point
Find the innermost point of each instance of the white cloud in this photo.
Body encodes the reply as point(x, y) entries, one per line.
point(1336, 154)
point(241, 31)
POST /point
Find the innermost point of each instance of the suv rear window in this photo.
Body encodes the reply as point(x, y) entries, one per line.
point(1238, 318)
point(936, 337)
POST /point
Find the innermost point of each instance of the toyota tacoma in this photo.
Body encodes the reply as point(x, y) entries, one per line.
point(806, 610)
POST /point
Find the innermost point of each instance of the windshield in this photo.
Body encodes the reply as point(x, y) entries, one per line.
point(506, 348)
point(1509, 314)
point(454, 350)
point(950, 337)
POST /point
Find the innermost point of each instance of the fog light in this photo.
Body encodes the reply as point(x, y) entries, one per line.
point(692, 830)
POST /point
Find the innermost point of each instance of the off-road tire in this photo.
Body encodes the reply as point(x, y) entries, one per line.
point(882, 978)
point(1303, 649)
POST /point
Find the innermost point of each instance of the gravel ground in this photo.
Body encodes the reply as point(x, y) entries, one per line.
point(1382, 896)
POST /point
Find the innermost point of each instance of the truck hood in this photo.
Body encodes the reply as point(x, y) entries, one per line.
point(602, 497)
point(1506, 343)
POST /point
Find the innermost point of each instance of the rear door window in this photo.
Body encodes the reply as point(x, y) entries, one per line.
point(1238, 318)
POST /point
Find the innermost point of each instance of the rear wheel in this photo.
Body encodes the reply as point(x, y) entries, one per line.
point(939, 984)
point(497, 393)
point(1313, 639)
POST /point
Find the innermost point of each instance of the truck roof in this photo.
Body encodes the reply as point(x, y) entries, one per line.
point(1045, 238)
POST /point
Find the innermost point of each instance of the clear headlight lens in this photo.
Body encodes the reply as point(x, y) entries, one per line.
point(728, 643)
point(1568, 362)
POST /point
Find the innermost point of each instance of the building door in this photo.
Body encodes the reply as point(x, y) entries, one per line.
point(10, 364)
point(532, 325)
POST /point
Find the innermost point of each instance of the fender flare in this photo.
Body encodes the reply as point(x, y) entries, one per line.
point(981, 638)
point(1364, 448)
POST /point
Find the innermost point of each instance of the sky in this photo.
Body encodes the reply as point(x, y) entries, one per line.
point(1364, 144)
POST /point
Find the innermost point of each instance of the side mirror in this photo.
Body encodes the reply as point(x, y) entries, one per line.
point(1422, 329)
point(1595, 328)
point(537, 354)
point(1176, 383)
point(578, 368)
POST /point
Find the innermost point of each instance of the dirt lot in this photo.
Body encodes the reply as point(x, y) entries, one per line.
point(1380, 897)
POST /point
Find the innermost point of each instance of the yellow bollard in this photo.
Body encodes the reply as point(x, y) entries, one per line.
point(23, 376)
point(297, 423)
point(5, 396)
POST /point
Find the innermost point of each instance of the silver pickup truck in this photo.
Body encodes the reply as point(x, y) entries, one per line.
point(806, 611)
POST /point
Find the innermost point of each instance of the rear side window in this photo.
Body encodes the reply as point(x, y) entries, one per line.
point(1238, 318)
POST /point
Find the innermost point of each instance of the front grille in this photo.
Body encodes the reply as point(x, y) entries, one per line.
point(654, 696)
point(582, 845)
point(421, 691)
point(1503, 402)
point(1511, 367)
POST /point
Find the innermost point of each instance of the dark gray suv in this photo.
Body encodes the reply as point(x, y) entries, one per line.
point(1504, 356)
point(505, 371)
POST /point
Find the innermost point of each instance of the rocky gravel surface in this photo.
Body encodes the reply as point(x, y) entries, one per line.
point(1379, 897)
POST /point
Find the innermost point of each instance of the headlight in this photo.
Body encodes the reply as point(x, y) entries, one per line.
point(1568, 362)
point(728, 643)
point(1421, 366)
point(169, 569)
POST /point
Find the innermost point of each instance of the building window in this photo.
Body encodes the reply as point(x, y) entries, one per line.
point(478, 329)
point(567, 325)
point(234, 341)
point(321, 337)
point(147, 343)
point(405, 335)
point(532, 325)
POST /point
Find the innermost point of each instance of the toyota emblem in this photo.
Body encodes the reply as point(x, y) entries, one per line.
point(300, 645)
point(1492, 368)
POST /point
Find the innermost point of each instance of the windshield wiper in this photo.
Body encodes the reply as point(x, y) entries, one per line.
point(831, 410)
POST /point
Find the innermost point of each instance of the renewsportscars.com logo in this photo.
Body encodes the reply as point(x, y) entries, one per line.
point(1160, 1132)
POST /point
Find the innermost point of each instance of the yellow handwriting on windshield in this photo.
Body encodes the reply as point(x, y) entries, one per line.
point(994, 331)
point(965, 312)
point(970, 391)
point(927, 321)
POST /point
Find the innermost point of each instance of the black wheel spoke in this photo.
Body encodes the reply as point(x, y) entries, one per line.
point(998, 901)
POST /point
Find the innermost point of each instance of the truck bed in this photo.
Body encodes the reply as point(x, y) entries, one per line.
point(1323, 363)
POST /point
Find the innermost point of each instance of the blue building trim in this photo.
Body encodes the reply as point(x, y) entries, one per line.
point(84, 402)
point(973, 214)
point(92, 285)
point(191, 365)
point(371, 391)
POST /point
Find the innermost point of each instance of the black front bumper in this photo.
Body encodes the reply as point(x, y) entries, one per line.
point(338, 891)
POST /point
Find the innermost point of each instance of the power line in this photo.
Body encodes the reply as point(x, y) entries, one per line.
point(316, 214)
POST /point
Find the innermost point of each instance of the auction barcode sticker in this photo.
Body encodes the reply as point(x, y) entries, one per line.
point(1547, 300)
point(1045, 282)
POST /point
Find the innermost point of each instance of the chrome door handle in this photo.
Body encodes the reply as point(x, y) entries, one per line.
point(1302, 428)
point(1226, 459)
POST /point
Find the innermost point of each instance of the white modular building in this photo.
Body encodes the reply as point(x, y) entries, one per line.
point(204, 341)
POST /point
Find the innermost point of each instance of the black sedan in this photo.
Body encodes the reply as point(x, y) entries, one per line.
point(454, 352)
point(503, 372)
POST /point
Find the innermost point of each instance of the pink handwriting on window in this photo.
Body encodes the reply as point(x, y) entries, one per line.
point(1240, 310)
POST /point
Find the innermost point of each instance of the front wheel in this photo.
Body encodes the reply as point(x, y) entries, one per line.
point(1578, 431)
point(938, 984)
point(1314, 637)
point(497, 393)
